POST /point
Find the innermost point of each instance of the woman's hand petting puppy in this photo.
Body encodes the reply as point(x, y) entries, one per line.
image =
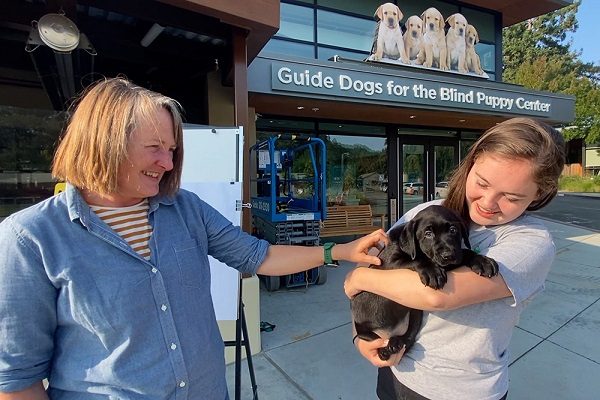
point(369, 351)
point(358, 250)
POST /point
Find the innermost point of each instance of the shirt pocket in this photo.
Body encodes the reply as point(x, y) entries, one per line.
point(192, 261)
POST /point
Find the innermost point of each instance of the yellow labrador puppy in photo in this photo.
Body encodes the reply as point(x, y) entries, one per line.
point(388, 40)
point(455, 42)
point(434, 52)
point(472, 58)
point(413, 37)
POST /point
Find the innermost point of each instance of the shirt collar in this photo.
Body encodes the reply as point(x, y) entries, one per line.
point(79, 209)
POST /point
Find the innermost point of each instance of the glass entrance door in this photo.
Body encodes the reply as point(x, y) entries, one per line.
point(426, 166)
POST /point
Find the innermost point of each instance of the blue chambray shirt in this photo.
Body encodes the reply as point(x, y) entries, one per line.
point(80, 307)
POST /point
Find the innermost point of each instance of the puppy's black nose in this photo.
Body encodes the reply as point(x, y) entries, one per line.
point(460, 31)
point(431, 26)
point(448, 256)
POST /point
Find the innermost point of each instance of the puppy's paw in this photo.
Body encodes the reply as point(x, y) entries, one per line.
point(484, 266)
point(434, 277)
point(395, 344)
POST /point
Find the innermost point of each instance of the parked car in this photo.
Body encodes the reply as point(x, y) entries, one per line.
point(413, 188)
point(441, 190)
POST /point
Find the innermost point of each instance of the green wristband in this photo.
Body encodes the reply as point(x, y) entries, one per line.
point(327, 253)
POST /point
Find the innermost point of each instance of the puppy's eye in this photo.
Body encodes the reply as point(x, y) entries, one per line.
point(428, 234)
point(453, 229)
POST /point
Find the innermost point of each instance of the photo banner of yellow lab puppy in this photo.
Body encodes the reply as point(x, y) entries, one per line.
point(425, 42)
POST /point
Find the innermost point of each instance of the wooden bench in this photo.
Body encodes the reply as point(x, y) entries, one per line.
point(349, 220)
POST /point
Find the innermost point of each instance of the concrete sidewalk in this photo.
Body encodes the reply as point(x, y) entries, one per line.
point(555, 350)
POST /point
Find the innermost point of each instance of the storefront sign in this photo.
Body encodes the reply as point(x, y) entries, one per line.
point(321, 80)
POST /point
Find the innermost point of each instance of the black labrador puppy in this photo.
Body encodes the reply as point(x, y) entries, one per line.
point(430, 244)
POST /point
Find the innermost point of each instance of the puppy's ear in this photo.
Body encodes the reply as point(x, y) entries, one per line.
point(395, 233)
point(408, 239)
point(450, 20)
point(400, 15)
point(424, 25)
point(476, 37)
point(465, 234)
point(442, 23)
point(379, 13)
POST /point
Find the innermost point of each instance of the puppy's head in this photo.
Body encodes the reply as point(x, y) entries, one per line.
point(472, 36)
point(389, 14)
point(459, 23)
point(437, 232)
point(414, 26)
point(433, 21)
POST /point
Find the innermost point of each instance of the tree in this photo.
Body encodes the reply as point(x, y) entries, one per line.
point(545, 35)
point(537, 54)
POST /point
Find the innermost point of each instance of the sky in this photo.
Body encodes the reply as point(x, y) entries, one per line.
point(586, 37)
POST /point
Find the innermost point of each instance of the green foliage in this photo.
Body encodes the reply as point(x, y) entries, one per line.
point(583, 184)
point(537, 54)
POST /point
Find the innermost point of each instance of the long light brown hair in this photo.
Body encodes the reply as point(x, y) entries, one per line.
point(94, 144)
point(516, 138)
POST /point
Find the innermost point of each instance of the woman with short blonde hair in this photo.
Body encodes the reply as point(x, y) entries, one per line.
point(105, 287)
point(94, 144)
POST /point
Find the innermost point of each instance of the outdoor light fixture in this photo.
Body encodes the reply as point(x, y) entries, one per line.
point(152, 34)
point(59, 40)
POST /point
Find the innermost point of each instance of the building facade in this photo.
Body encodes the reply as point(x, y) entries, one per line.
point(401, 125)
point(401, 122)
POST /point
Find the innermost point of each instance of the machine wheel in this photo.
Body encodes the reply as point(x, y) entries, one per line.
point(272, 283)
point(322, 271)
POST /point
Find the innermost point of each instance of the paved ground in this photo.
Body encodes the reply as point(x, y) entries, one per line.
point(579, 209)
point(555, 348)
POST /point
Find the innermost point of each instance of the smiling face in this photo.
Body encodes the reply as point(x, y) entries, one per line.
point(499, 189)
point(149, 155)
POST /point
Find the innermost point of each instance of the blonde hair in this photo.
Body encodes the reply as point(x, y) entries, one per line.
point(94, 144)
point(516, 138)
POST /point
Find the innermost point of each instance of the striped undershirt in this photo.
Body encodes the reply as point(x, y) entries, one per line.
point(131, 223)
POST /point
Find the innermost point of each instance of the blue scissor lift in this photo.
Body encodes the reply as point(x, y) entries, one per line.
point(290, 200)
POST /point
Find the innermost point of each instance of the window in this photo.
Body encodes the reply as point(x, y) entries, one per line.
point(296, 22)
point(357, 171)
point(483, 22)
point(289, 48)
point(27, 140)
point(325, 53)
point(364, 7)
point(487, 56)
point(345, 31)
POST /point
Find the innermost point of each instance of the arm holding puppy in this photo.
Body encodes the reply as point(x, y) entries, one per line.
point(282, 260)
point(462, 289)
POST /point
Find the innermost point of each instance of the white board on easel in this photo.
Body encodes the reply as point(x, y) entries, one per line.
point(212, 168)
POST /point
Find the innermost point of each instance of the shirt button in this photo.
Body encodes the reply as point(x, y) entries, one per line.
point(163, 307)
point(154, 270)
point(181, 384)
point(173, 347)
